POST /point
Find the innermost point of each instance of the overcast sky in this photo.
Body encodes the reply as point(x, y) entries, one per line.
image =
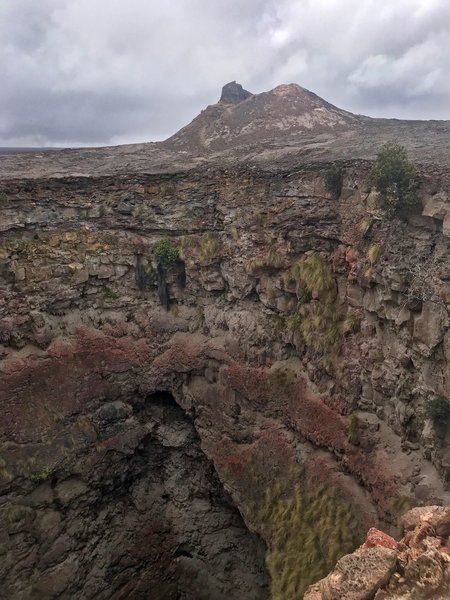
point(96, 72)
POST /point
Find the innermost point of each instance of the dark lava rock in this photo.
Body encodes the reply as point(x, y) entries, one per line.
point(233, 93)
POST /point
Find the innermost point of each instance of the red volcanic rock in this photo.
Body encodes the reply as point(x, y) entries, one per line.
point(375, 537)
point(416, 568)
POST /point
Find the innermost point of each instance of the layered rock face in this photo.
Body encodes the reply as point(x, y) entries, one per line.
point(166, 424)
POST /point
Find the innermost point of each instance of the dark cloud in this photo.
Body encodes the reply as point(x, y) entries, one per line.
point(107, 71)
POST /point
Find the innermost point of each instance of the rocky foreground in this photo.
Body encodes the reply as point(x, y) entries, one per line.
point(415, 568)
point(227, 417)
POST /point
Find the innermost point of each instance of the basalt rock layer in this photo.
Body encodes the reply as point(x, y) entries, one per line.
point(166, 424)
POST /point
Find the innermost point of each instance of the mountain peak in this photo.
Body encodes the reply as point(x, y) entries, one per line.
point(233, 93)
point(240, 118)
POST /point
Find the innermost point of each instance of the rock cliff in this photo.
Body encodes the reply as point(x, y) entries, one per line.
point(263, 388)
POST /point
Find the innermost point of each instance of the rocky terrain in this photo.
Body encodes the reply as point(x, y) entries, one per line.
point(228, 413)
point(416, 567)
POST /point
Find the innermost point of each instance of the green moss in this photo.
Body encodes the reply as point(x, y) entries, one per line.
point(309, 532)
point(3, 197)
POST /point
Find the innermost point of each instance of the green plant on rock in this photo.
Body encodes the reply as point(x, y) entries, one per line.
point(41, 474)
point(318, 321)
point(165, 252)
point(320, 326)
point(394, 178)
point(206, 246)
point(308, 533)
point(18, 512)
point(333, 178)
point(110, 294)
point(315, 273)
point(373, 253)
point(352, 323)
point(3, 197)
point(353, 429)
point(209, 245)
point(438, 409)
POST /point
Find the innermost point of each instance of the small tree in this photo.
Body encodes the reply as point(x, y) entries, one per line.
point(333, 178)
point(165, 252)
point(394, 178)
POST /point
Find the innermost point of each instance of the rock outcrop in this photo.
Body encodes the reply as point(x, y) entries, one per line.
point(233, 93)
point(304, 340)
point(415, 568)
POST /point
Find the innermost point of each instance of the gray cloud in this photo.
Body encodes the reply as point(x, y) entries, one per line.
point(108, 71)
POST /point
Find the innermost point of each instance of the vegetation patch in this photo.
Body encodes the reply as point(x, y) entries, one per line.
point(352, 323)
point(373, 253)
point(17, 512)
point(42, 474)
point(438, 409)
point(333, 178)
point(165, 252)
point(318, 321)
point(272, 259)
point(353, 429)
point(309, 532)
point(205, 246)
point(394, 178)
point(110, 294)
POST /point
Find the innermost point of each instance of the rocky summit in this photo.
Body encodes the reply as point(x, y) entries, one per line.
point(221, 365)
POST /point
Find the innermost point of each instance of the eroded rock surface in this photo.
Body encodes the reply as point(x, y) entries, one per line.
point(415, 568)
point(147, 518)
point(304, 339)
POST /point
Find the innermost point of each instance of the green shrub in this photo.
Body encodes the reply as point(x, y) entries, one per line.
point(394, 178)
point(165, 252)
point(333, 178)
point(438, 409)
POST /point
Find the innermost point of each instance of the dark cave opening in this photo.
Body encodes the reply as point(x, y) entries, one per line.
point(142, 515)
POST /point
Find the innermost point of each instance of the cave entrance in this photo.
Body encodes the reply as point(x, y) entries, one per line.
point(192, 542)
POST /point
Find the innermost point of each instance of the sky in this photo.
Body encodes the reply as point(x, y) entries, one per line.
point(101, 72)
